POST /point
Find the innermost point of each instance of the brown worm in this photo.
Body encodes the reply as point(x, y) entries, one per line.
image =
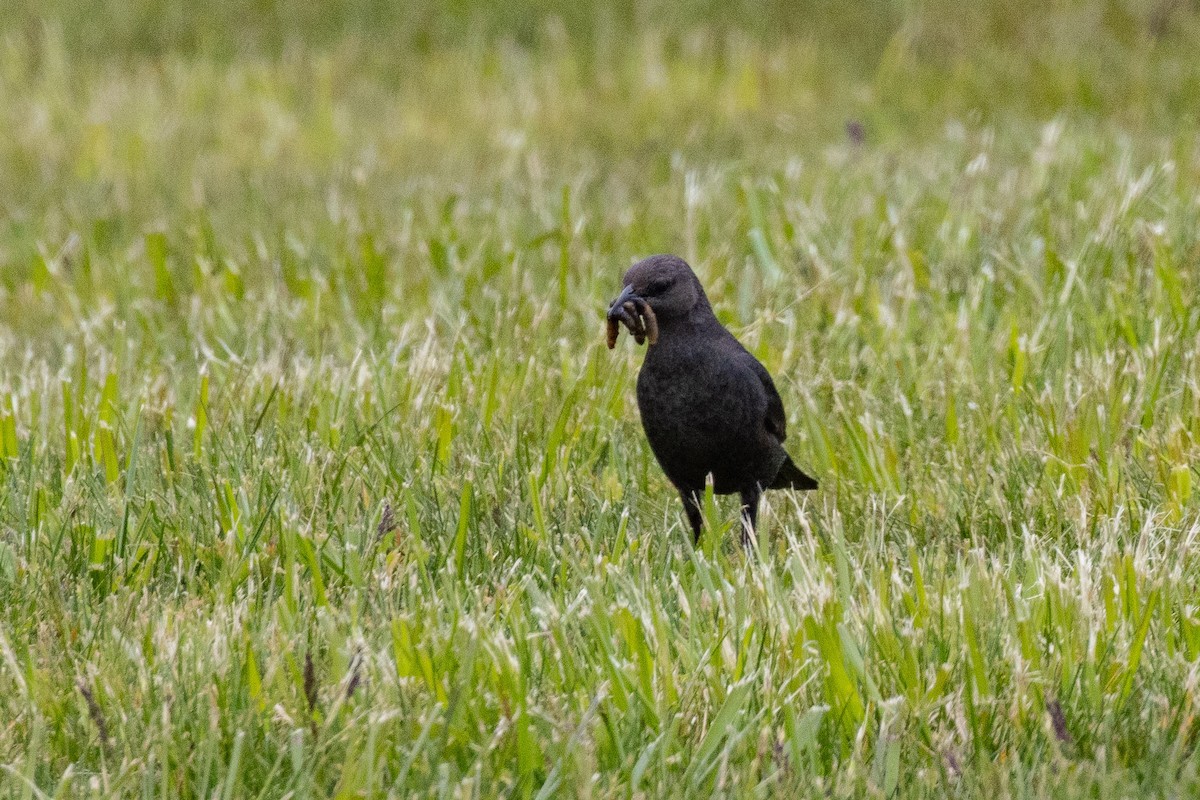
point(649, 322)
point(615, 319)
point(633, 320)
point(638, 317)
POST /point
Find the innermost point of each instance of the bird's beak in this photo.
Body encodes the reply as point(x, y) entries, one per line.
point(614, 308)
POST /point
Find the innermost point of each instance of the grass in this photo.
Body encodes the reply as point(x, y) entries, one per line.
point(318, 480)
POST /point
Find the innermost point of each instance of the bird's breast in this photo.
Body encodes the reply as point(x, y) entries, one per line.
point(700, 412)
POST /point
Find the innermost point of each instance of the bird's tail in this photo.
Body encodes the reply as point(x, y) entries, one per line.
point(790, 477)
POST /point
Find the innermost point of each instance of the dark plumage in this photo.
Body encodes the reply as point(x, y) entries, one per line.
point(707, 405)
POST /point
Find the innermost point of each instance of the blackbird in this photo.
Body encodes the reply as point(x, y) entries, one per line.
point(708, 406)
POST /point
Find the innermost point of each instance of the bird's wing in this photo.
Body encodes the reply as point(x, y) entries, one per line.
point(776, 420)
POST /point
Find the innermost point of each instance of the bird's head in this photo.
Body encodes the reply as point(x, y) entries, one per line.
point(666, 283)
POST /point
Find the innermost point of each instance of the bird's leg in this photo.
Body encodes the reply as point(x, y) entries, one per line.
point(691, 504)
point(750, 513)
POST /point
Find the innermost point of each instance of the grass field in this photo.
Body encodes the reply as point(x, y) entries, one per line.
point(317, 479)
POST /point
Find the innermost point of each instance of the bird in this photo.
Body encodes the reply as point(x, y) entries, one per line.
point(708, 407)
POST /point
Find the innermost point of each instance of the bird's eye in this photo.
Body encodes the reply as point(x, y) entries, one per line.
point(655, 287)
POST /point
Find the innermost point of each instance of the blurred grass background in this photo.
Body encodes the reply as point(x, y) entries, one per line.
point(316, 478)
